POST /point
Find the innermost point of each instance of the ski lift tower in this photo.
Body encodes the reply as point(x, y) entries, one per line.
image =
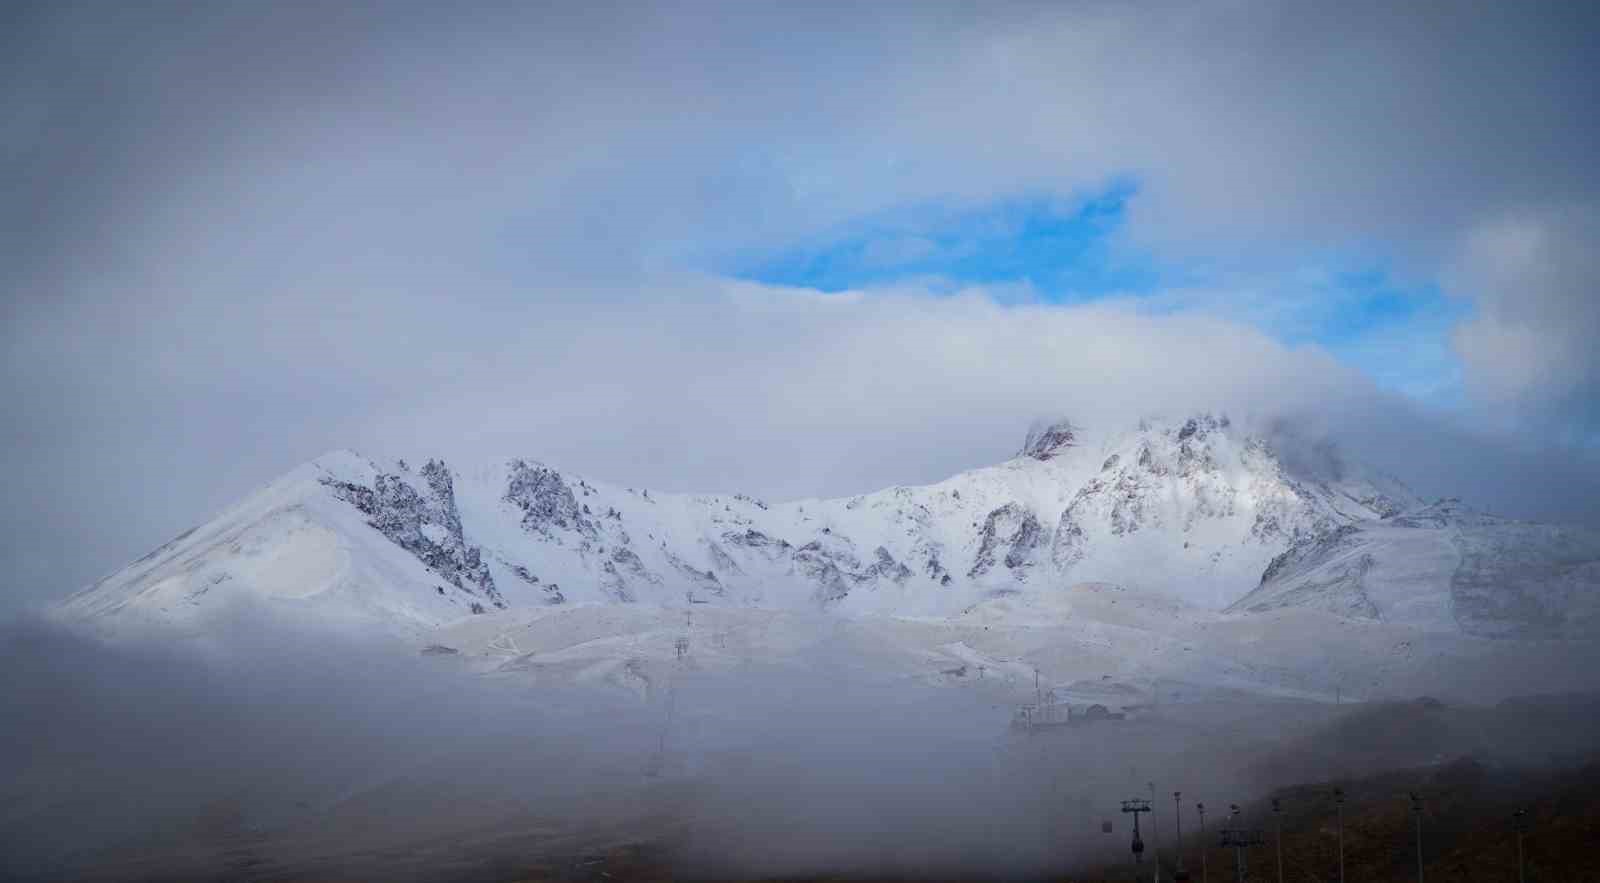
point(1239, 839)
point(682, 644)
point(1136, 806)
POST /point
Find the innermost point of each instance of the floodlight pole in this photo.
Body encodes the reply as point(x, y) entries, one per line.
point(1520, 820)
point(1338, 802)
point(1155, 834)
point(1277, 815)
point(1416, 811)
point(1201, 809)
point(1238, 847)
point(1177, 819)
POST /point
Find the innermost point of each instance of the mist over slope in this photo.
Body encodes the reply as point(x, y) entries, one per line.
point(271, 750)
point(420, 666)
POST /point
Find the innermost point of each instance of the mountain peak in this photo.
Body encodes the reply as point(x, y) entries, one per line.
point(1046, 438)
point(1197, 423)
point(1185, 505)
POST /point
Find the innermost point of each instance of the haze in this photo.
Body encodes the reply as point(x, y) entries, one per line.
point(789, 250)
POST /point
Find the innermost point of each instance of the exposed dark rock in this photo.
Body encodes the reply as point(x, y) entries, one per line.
point(758, 541)
point(1045, 441)
point(1010, 528)
point(629, 563)
point(552, 592)
point(886, 567)
point(699, 579)
point(1070, 544)
point(547, 503)
point(831, 563)
point(426, 524)
point(1127, 505)
point(1149, 462)
point(614, 584)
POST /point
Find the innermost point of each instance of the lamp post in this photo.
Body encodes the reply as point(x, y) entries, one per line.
point(1338, 802)
point(1519, 820)
point(1155, 833)
point(1201, 809)
point(1277, 816)
point(1177, 819)
point(1416, 812)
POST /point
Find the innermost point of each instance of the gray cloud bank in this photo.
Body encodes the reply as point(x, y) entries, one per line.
point(241, 235)
point(265, 752)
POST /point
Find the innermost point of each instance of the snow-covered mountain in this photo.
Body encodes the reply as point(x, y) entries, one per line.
point(1445, 564)
point(1192, 510)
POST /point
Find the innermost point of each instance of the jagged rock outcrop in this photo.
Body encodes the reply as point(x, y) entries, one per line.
point(1010, 533)
point(552, 592)
point(886, 567)
point(1068, 545)
point(546, 502)
point(424, 523)
point(756, 540)
point(696, 579)
point(1198, 509)
point(829, 561)
point(1047, 440)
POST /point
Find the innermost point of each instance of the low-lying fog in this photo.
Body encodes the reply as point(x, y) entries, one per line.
point(278, 751)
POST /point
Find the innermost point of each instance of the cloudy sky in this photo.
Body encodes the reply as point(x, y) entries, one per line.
point(791, 250)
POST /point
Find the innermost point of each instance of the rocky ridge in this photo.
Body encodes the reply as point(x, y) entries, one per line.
point(1198, 510)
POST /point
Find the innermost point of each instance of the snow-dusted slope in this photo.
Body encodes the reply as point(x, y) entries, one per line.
point(292, 544)
point(1445, 566)
point(1090, 643)
point(1192, 511)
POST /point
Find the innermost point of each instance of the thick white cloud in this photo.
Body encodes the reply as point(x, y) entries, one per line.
point(1533, 346)
point(241, 234)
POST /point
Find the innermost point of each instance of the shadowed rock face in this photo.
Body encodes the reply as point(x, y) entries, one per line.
point(1013, 531)
point(425, 523)
point(1195, 509)
point(886, 566)
point(1046, 440)
point(547, 503)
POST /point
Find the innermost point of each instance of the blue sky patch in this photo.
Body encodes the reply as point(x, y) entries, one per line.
point(1069, 251)
point(1062, 248)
